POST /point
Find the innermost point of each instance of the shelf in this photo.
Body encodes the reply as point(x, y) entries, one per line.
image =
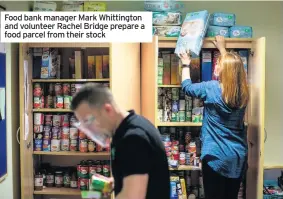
point(273, 167)
point(75, 153)
point(58, 191)
point(169, 86)
point(185, 168)
point(179, 124)
point(55, 110)
point(70, 80)
point(68, 45)
point(240, 43)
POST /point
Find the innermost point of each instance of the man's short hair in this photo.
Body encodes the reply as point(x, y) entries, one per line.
point(92, 94)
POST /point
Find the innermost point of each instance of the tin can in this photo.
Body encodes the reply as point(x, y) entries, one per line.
point(84, 171)
point(74, 133)
point(38, 128)
point(59, 101)
point(160, 115)
point(175, 106)
point(106, 169)
point(65, 133)
point(91, 146)
point(182, 116)
point(182, 159)
point(47, 132)
point(92, 170)
point(38, 144)
point(48, 120)
point(73, 120)
point(67, 102)
point(188, 105)
point(37, 90)
point(58, 89)
point(182, 105)
point(99, 148)
point(38, 118)
point(188, 116)
point(187, 158)
point(83, 184)
point(37, 136)
point(49, 103)
point(196, 118)
point(83, 146)
point(99, 168)
point(55, 145)
point(175, 93)
point(82, 135)
point(46, 145)
point(175, 117)
point(66, 120)
point(66, 89)
point(37, 102)
point(73, 89)
point(51, 88)
point(73, 145)
point(65, 145)
point(57, 120)
point(56, 133)
point(196, 102)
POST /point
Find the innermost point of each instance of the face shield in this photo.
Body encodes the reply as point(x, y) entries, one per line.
point(90, 127)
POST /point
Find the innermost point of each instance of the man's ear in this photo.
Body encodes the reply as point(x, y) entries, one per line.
point(108, 108)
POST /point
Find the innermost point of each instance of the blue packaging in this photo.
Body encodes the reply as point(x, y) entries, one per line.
point(206, 70)
point(244, 54)
point(213, 31)
point(222, 19)
point(192, 33)
point(166, 18)
point(163, 5)
point(241, 32)
point(166, 31)
point(173, 192)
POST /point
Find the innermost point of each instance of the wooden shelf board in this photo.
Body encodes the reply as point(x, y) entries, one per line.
point(235, 43)
point(273, 167)
point(178, 124)
point(69, 45)
point(71, 153)
point(169, 86)
point(58, 191)
point(185, 168)
point(71, 80)
point(52, 110)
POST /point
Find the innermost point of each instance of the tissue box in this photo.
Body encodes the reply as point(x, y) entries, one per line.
point(213, 31)
point(192, 32)
point(163, 5)
point(222, 19)
point(166, 31)
point(241, 32)
point(166, 18)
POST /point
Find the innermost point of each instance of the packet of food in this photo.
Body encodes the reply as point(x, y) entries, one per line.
point(101, 183)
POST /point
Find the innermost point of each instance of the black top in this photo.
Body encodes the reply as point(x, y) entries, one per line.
point(137, 148)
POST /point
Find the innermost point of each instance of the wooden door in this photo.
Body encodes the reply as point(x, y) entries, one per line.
point(125, 74)
point(26, 120)
point(256, 75)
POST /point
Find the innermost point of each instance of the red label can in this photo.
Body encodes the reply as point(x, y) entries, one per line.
point(58, 89)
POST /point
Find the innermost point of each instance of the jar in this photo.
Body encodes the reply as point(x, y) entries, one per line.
point(58, 179)
point(50, 179)
point(67, 180)
point(83, 146)
point(38, 181)
point(74, 181)
point(91, 146)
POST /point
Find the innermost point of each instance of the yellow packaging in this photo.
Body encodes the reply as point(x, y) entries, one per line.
point(98, 67)
point(90, 67)
point(94, 6)
point(174, 69)
point(183, 185)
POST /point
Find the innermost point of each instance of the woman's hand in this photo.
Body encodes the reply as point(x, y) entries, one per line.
point(220, 44)
point(185, 58)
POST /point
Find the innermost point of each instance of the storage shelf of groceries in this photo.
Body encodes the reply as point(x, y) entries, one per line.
point(69, 80)
point(72, 153)
point(58, 191)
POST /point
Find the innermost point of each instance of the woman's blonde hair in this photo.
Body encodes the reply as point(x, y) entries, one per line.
point(235, 91)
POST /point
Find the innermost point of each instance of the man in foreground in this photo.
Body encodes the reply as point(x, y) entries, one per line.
point(138, 158)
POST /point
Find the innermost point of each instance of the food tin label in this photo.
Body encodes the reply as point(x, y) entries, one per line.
point(182, 105)
point(175, 93)
point(49, 103)
point(36, 102)
point(38, 128)
point(59, 102)
point(38, 145)
point(65, 133)
point(38, 182)
point(67, 102)
point(188, 116)
point(175, 117)
point(48, 120)
point(182, 116)
point(73, 145)
point(58, 89)
point(74, 184)
point(57, 120)
point(49, 179)
point(59, 180)
point(55, 145)
point(65, 145)
point(66, 88)
point(38, 118)
point(74, 133)
point(175, 106)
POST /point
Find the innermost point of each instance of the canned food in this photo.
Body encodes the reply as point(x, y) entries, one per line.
point(83, 146)
point(182, 159)
point(38, 136)
point(57, 120)
point(65, 145)
point(99, 168)
point(101, 183)
point(106, 170)
point(38, 128)
point(38, 144)
point(99, 148)
point(47, 132)
point(83, 183)
point(58, 89)
point(56, 133)
point(187, 158)
point(49, 103)
point(182, 116)
point(37, 90)
point(48, 120)
point(182, 105)
point(84, 171)
point(73, 89)
point(65, 133)
point(37, 102)
point(46, 145)
point(188, 116)
point(74, 133)
point(38, 118)
point(175, 106)
point(175, 93)
point(91, 146)
point(59, 101)
point(73, 145)
point(55, 145)
point(67, 102)
point(92, 170)
point(73, 120)
point(66, 89)
point(51, 87)
point(65, 120)
point(82, 135)
point(175, 117)
point(192, 147)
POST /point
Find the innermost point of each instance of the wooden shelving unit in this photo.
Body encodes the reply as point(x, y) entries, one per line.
point(124, 82)
point(255, 111)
